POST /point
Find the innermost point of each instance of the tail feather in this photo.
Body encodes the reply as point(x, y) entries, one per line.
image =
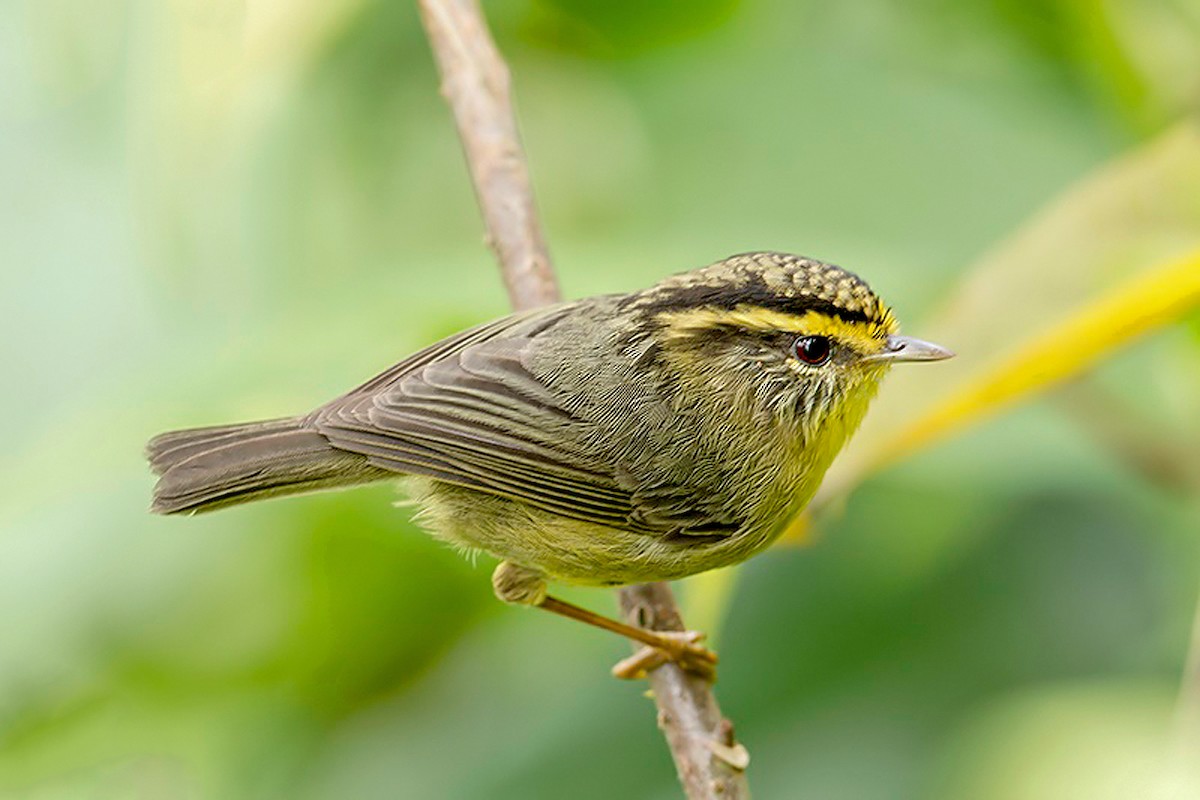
point(168, 449)
point(206, 468)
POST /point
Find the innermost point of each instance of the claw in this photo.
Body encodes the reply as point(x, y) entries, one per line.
point(640, 664)
point(681, 647)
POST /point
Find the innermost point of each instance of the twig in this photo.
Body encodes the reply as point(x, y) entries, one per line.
point(475, 83)
point(708, 759)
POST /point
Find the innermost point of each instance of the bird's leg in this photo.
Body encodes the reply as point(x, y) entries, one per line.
point(516, 584)
point(682, 647)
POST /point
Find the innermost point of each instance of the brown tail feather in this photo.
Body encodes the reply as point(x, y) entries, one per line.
point(207, 468)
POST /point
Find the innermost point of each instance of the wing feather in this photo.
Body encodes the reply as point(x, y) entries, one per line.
point(468, 411)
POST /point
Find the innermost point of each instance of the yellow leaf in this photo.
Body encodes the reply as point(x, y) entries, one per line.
point(1070, 346)
point(1099, 267)
point(1074, 264)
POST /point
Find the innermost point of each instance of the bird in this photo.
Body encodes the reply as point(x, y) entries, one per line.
point(613, 440)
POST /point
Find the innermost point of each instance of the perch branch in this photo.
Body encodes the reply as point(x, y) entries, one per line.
point(475, 83)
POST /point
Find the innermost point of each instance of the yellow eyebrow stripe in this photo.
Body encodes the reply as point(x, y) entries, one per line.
point(867, 337)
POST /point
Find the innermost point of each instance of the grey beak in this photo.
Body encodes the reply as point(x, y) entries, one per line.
point(906, 348)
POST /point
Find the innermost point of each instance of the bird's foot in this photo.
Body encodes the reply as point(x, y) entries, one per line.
point(681, 647)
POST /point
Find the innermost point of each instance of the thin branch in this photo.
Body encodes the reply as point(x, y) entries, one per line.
point(475, 83)
point(709, 760)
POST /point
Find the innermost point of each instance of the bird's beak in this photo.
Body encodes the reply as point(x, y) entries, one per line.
point(906, 348)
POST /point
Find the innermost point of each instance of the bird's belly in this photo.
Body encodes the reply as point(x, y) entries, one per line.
point(570, 550)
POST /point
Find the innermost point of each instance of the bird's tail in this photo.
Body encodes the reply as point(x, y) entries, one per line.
point(206, 468)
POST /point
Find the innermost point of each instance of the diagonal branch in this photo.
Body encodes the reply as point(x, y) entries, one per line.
point(475, 83)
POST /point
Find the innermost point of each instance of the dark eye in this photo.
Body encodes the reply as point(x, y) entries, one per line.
point(812, 349)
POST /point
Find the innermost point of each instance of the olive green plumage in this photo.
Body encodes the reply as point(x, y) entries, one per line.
point(611, 440)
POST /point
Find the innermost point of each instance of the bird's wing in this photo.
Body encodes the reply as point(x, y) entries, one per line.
point(467, 411)
point(528, 323)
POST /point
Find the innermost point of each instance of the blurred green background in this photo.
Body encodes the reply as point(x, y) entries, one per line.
point(218, 210)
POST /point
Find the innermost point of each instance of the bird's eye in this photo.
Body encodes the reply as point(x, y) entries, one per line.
point(813, 350)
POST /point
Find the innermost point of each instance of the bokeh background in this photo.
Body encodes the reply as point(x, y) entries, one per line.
point(217, 210)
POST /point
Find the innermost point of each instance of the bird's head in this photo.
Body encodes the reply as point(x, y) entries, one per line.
point(799, 339)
